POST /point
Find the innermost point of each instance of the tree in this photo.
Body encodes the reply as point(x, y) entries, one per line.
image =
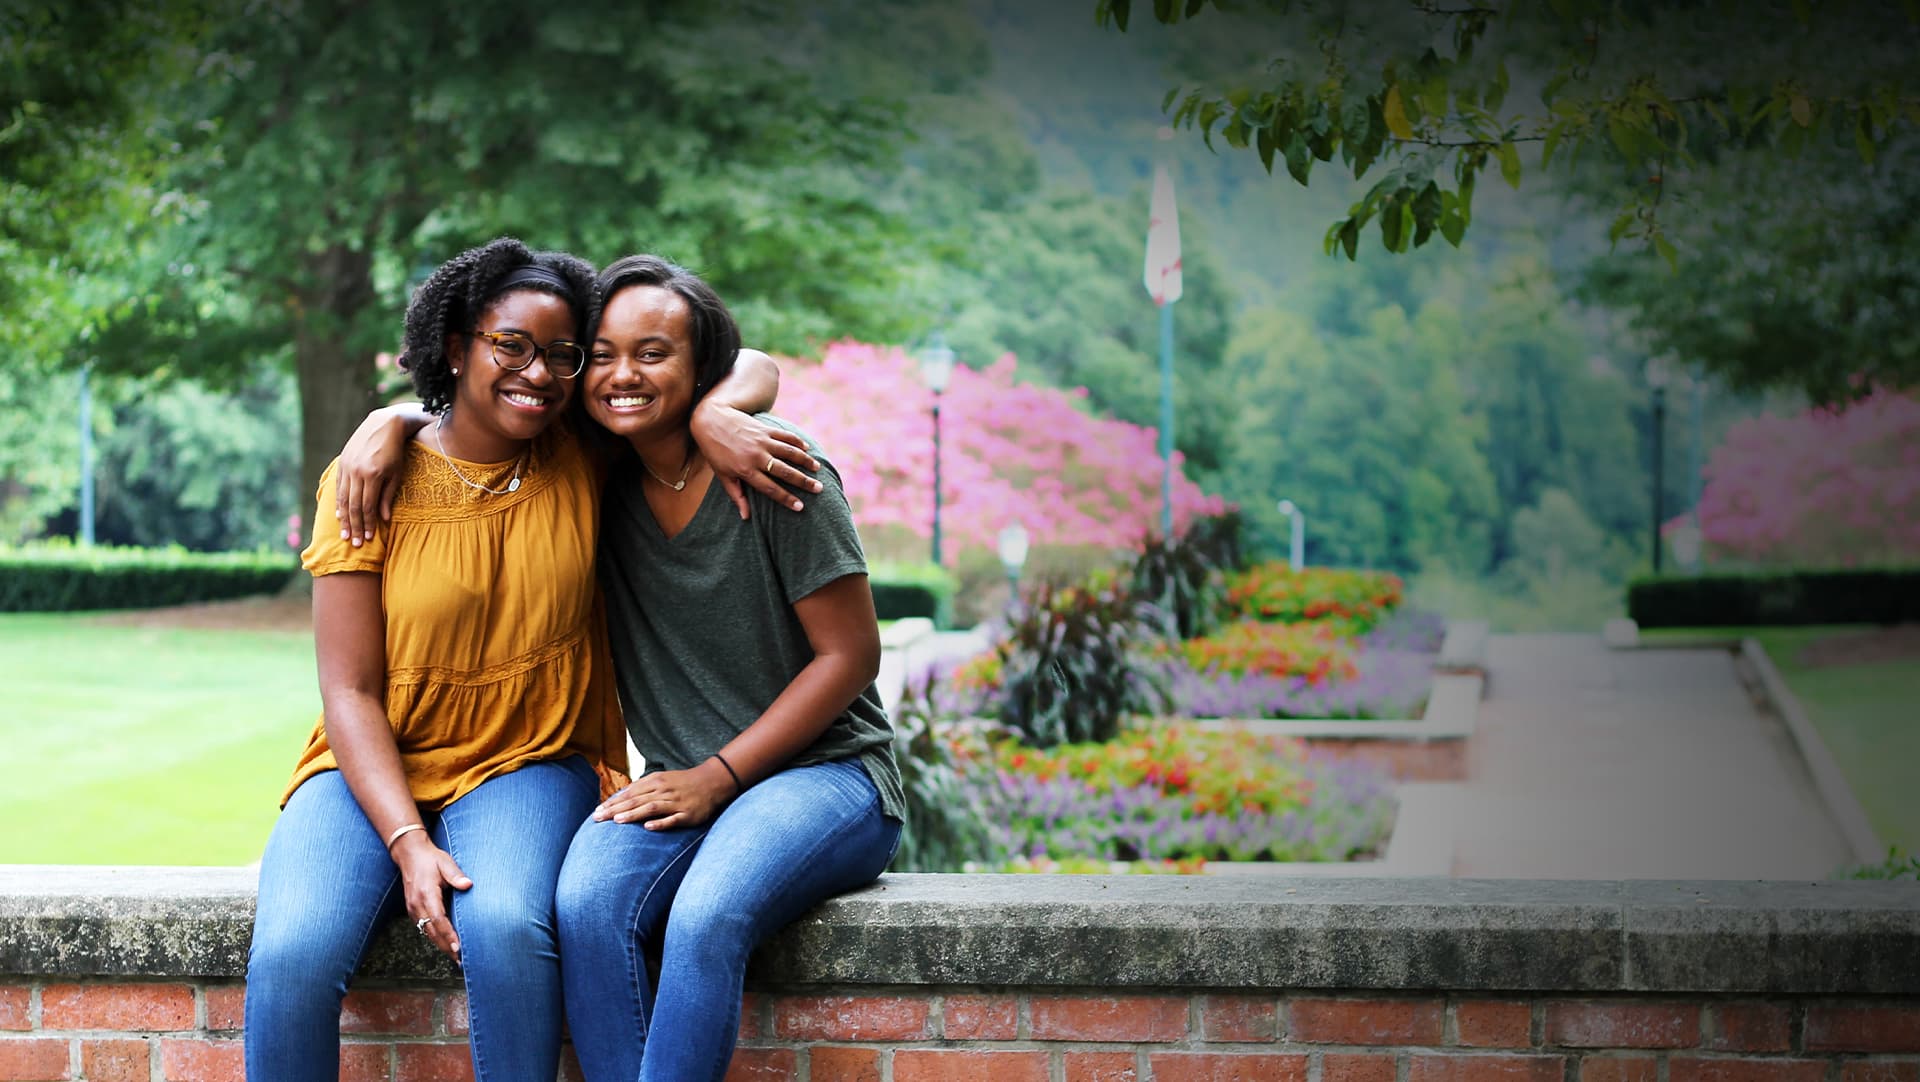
point(334, 151)
point(1422, 90)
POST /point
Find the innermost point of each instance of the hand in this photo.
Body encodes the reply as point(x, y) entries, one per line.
point(667, 799)
point(369, 474)
point(426, 871)
point(739, 448)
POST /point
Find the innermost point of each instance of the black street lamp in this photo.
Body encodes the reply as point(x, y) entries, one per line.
point(936, 368)
point(1658, 376)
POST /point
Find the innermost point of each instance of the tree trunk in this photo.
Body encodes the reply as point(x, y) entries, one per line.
point(336, 374)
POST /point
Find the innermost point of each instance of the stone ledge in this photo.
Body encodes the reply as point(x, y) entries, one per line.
point(1842, 938)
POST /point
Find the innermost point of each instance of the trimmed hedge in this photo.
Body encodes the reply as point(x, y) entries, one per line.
point(1871, 596)
point(66, 578)
point(903, 590)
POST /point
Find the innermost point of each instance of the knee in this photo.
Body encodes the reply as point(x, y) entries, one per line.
point(505, 924)
point(712, 928)
point(285, 966)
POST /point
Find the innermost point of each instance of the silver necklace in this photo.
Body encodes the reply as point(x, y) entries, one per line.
point(513, 483)
point(685, 469)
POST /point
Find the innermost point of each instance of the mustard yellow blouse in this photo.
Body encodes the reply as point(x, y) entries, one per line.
point(496, 640)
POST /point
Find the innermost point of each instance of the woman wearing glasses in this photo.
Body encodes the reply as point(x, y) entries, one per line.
point(470, 720)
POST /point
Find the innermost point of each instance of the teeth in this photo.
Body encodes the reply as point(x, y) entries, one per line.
point(629, 401)
point(525, 399)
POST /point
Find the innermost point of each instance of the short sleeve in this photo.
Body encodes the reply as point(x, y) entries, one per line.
point(327, 554)
point(814, 547)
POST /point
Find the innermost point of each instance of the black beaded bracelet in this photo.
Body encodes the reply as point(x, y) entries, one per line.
point(737, 787)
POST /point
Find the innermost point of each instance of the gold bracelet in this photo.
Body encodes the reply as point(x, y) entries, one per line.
point(405, 830)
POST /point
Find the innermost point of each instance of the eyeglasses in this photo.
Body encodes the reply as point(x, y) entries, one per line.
point(513, 352)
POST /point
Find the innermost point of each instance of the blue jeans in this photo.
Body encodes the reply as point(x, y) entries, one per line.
point(656, 927)
point(327, 887)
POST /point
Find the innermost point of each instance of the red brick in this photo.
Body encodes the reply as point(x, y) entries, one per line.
point(843, 1064)
point(395, 1011)
point(1108, 1018)
point(750, 1028)
point(981, 1018)
point(1880, 1070)
point(1623, 1025)
point(126, 1007)
point(454, 1020)
point(1750, 1027)
point(1367, 1021)
point(1619, 1069)
point(1702, 1069)
point(1487, 1068)
point(762, 1065)
point(34, 1059)
point(1227, 1067)
point(967, 1065)
point(1238, 1018)
point(15, 999)
point(366, 1061)
point(852, 1018)
point(1100, 1067)
point(1358, 1067)
point(1493, 1023)
point(124, 1060)
point(416, 1062)
point(1829, 1029)
point(226, 1006)
point(184, 1060)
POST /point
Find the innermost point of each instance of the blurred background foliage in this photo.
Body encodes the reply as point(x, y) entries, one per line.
point(220, 206)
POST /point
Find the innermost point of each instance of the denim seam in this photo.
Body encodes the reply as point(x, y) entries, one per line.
point(636, 957)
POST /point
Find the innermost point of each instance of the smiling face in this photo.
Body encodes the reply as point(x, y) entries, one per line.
point(496, 409)
point(639, 382)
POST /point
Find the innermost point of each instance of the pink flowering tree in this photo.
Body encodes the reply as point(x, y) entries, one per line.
point(1010, 452)
point(1828, 487)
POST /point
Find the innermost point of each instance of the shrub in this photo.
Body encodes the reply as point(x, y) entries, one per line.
point(1898, 865)
point(1883, 596)
point(946, 824)
point(902, 590)
point(1178, 792)
point(1351, 601)
point(60, 577)
point(1179, 576)
point(1314, 652)
point(1067, 668)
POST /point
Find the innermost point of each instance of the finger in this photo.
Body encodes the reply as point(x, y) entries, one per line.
point(765, 485)
point(643, 812)
point(792, 447)
point(793, 476)
point(736, 493)
point(451, 873)
point(387, 490)
point(667, 822)
point(342, 496)
point(355, 515)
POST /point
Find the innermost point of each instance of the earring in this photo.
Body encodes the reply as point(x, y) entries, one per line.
point(456, 371)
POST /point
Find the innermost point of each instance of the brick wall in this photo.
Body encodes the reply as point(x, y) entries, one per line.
point(121, 1031)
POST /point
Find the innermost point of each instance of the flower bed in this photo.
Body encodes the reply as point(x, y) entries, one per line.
point(1177, 793)
point(1316, 652)
point(1389, 685)
point(1351, 602)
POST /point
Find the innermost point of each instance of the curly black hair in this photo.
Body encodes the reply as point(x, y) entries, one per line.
point(452, 298)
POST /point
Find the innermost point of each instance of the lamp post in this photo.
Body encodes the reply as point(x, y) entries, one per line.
point(1297, 550)
point(1658, 376)
point(86, 454)
point(936, 368)
point(1013, 554)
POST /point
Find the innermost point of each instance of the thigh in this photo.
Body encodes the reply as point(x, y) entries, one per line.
point(510, 834)
point(326, 882)
point(622, 877)
point(795, 838)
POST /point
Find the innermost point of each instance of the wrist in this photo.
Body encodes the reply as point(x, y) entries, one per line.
point(724, 775)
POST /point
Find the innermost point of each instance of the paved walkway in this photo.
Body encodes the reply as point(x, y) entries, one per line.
point(1591, 763)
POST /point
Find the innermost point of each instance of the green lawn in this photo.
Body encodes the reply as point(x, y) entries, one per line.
point(125, 745)
point(1866, 713)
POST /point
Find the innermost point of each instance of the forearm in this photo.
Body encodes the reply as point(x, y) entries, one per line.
point(410, 417)
point(750, 387)
point(363, 745)
point(818, 695)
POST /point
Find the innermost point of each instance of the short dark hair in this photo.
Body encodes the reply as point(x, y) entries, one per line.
point(455, 294)
point(716, 337)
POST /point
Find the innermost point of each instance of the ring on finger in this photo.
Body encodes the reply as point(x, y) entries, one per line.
point(421, 924)
point(768, 468)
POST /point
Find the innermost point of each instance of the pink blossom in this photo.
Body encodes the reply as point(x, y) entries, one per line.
point(1010, 452)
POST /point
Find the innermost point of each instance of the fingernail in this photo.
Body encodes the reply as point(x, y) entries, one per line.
point(817, 486)
point(343, 535)
point(798, 506)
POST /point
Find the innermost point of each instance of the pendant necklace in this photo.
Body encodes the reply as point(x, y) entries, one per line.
point(513, 484)
point(674, 485)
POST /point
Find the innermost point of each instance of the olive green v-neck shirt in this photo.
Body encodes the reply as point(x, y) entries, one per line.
point(703, 632)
